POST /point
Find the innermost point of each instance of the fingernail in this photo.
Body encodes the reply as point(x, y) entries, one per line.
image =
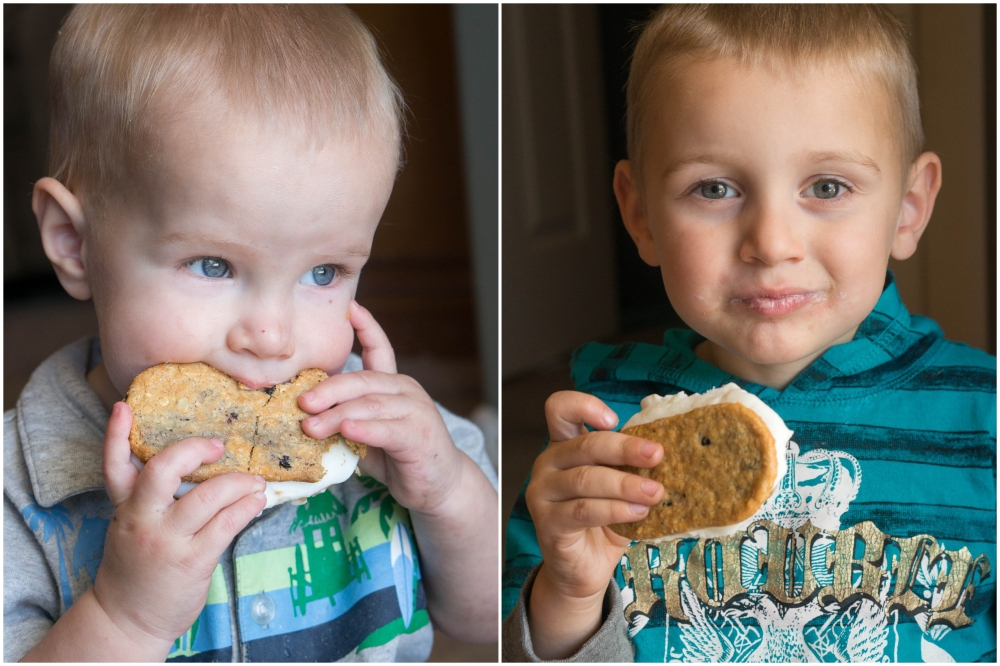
point(649, 487)
point(259, 495)
point(311, 422)
point(217, 442)
point(638, 509)
point(261, 479)
point(610, 419)
point(308, 396)
point(647, 449)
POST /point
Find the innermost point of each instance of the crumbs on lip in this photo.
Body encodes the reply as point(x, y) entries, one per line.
point(347, 315)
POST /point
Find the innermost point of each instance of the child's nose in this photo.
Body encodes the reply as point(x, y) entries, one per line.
point(263, 331)
point(771, 236)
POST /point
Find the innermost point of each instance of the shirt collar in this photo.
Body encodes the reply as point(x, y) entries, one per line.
point(61, 423)
point(885, 334)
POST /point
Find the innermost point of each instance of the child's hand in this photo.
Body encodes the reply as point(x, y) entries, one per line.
point(572, 497)
point(160, 552)
point(410, 450)
point(453, 507)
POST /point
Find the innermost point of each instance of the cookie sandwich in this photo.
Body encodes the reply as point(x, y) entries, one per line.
point(723, 458)
point(260, 428)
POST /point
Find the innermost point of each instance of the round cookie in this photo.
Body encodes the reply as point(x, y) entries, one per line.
point(719, 467)
point(261, 429)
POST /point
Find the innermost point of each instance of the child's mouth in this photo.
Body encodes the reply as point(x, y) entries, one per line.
point(776, 305)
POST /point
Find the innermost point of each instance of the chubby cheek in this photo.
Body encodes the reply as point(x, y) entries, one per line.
point(142, 331)
point(693, 270)
point(857, 273)
point(325, 337)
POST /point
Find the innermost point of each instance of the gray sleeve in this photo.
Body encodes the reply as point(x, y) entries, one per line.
point(30, 596)
point(469, 439)
point(610, 644)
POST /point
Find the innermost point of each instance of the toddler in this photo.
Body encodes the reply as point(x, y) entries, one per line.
point(218, 175)
point(775, 164)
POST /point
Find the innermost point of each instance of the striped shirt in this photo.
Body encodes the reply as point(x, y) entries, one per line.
point(880, 545)
point(336, 578)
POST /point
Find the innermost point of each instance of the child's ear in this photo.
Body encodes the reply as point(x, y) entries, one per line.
point(917, 206)
point(634, 213)
point(60, 219)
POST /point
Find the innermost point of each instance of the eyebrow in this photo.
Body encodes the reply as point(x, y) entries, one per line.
point(850, 157)
point(696, 159)
point(824, 156)
point(202, 239)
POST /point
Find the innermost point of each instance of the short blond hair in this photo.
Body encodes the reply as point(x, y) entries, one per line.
point(119, 71)
point(868, 39)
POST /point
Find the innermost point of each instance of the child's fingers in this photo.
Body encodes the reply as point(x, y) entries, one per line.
point(376, 352)
point(119, 472)
point(216, 536)
point(161, 477)
point(193, 511)
point(566, 412)
point(340, 389)
point(605, 448)
point(392, 436)
point(582, 514)
point(595, 481)
point(373, 407)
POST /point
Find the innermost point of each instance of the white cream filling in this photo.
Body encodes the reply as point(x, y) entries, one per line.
point(655, 407)
point(339, 462)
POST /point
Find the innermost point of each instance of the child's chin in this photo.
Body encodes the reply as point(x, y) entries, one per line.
point(777, 353)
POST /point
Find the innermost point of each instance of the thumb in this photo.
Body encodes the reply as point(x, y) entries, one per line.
point(119, 472)
point(376, 351)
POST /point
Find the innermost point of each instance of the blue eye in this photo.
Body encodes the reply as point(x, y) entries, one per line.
point(716, 190)
point(827, 189)
point(210, 267)
point(319, 276)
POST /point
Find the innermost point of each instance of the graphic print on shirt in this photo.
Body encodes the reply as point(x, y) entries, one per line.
point(345, 579)
point(52, 522)
point(332, 562)
point(796, 585)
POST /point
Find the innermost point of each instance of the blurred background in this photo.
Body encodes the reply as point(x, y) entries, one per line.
point(571, 272)
point(431, 281)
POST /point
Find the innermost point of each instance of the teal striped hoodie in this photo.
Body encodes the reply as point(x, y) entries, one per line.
point(882, 543)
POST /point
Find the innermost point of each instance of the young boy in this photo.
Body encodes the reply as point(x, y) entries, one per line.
point(774, 166)
point(219, 172)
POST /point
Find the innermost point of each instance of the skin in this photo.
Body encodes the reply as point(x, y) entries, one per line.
point(271, 206)
point(785, 264)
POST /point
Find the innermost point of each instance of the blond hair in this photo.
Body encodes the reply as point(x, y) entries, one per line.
point(867, 39)
point(118, 72)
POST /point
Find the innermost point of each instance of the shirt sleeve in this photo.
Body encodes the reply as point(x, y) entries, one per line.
point(470, 441)
point(610, 644)
point(30, 595)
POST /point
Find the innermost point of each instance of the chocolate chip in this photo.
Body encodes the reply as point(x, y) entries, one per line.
point(705, 441)
point(285, 462)
point(232, 417)
point(269, 390)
